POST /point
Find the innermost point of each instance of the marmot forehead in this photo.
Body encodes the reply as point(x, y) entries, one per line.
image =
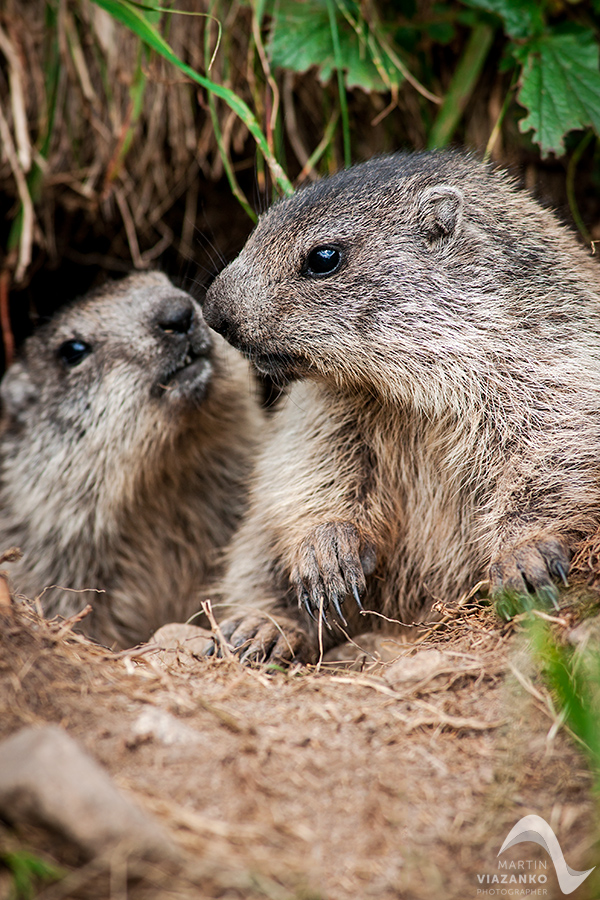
point(382, 195)
point(117, 304)
point(380, 181)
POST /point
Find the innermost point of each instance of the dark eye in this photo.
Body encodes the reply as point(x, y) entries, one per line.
point(72, 352)
point(323, 261)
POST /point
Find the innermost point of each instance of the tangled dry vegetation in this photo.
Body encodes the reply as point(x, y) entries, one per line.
point(113, 133)
point(397, 778)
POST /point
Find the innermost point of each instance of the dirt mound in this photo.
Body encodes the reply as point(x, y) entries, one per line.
point(398, 781)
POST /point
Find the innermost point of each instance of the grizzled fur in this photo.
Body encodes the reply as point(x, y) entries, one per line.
point(447, 424)
point(125, 470)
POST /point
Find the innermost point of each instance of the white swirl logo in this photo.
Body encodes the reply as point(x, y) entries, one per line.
point(534, 828)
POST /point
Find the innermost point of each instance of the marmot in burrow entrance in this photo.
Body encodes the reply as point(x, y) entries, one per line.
point(127, 435)
point(447, 427)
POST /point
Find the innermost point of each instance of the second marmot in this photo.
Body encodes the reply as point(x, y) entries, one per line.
point(128, 431)
point(445, 329)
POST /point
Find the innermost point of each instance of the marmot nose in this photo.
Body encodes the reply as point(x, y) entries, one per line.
point(217, 319)
point(176, 316)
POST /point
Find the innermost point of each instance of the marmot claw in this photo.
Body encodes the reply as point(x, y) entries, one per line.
point(331, 562)
point(530, 569)
point(262, 638)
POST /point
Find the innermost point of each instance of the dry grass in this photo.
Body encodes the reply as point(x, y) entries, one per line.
point(335, 783)
point(115, 133)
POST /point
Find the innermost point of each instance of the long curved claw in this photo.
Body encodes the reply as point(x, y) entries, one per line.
point(548, 594)
point(357, 597)
point(338, 608)
point(304, 601)
point(560, 570)
point(326, 622)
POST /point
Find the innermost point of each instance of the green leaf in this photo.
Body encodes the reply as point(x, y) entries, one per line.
point(301, 37)
point(522, 18)
point(559, 86)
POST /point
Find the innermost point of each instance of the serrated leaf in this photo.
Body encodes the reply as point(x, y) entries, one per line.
point(300, 38)
point(560, 87)
point(522, 18)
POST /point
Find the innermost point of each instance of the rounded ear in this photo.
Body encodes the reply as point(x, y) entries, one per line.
point(440, 213)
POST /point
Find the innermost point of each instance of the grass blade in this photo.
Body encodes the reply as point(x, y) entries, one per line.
point(337, 53)
point(132, 17)
point(462, 85)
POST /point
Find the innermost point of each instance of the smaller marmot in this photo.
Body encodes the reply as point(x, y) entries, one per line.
point(443, 330)
point(127, 436)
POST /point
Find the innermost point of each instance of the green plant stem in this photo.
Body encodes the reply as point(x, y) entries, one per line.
point(462, 85)
point(375, 43)
point(498, 123)
point(575, 691)
point(337, 53)
point(570, 186)
point(227, 167)
point(136, 93)
point(320, 149)
point(134, 19)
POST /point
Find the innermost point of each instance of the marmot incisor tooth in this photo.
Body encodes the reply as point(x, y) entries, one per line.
point(126, 441)
point(446, 329)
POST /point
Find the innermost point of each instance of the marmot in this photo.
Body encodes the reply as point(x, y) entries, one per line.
point(127, 434)
point(445, 329)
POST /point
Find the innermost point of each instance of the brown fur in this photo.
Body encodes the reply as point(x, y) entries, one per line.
point(447, 426)
point(125, 472)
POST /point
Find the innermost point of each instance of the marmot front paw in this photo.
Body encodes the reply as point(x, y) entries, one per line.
point(531, 568)
point(261, 637)
point(330, 563)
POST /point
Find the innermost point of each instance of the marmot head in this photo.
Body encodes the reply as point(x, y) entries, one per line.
point(139, 340)
point(106, 387)
point(326, 271)
point(389, 273)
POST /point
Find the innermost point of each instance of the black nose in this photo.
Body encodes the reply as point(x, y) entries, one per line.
point(216, 318)
point(229, 330)
point(176, 316)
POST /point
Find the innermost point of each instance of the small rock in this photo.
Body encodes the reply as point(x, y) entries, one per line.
point(586, 634)
point(48, 780)
point(367, 647)
point(162, 726)
point(424, 664)
point(179, 642)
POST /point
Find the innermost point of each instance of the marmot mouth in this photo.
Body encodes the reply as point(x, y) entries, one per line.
point(189, 378)
point(280, 366)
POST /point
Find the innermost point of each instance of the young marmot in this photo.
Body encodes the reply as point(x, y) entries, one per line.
point(126, 440)
point(445, 329)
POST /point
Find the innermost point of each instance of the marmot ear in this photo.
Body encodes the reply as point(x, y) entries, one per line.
point(440, 213)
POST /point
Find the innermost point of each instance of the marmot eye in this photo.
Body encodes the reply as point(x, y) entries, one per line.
point(72, 352)
point(323, 261)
